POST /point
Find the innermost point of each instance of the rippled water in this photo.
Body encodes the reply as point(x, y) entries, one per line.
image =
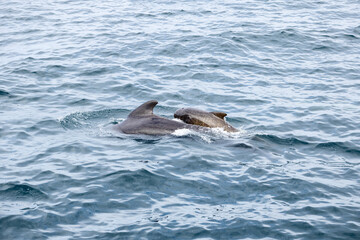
point(286, 72)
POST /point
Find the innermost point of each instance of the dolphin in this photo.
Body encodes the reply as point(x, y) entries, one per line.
point(143, 121)
point(203, 118)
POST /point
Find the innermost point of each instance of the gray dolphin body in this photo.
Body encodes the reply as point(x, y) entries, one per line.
point(143, 121)
point(203, 118)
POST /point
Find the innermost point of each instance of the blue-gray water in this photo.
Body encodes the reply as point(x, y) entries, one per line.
point(286, 72)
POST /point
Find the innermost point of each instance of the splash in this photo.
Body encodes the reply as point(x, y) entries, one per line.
point(210, 135)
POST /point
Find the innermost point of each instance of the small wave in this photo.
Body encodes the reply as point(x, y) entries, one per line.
point(322, 48)
point(137, 180)
point(89, 119)
point(145, 15)
point(350, 36)
point(95, 72)
point(11, 191)
point(36, 73)
point(4, 93)
point(344, 147)
point(241, 145)
point(81, 102)
point(340, 146)
point(282, 141)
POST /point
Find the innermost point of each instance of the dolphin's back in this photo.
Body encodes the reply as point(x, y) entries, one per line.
point(154, 125)
point(203, 118)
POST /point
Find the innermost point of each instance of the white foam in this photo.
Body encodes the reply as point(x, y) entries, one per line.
point(221, 133)
point(183, 132)
point(211, 134)
point(178, 120)
point(188, 132)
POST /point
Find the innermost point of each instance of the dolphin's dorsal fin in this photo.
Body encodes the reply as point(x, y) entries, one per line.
point(219, 114)
point(144, 109)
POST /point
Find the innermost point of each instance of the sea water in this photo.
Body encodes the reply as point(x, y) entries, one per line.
point(287, 73)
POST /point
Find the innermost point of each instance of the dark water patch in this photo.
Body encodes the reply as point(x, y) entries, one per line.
point(173, 13)
point(37, 73)
point(59, 68)
point(241, 145)
point(25, 72)
point(350, 36)
point(95, 72)
point(262, 83)
point(29, 18)
point(322, 48)
point(147, 141)
point(23, 136)
point(211, 77)
point(145, 15)
point(72, 85)
point(281, 141)
point(18, 228)
point(21, 192)
point(111, 53)
point(320, 87)
point(345, 147)
point(2, 131)
point(287, 33)
point(4, 93)
point(81, 102)
point(19, 33)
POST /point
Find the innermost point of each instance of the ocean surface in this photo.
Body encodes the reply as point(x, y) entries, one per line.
point(287, 73)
